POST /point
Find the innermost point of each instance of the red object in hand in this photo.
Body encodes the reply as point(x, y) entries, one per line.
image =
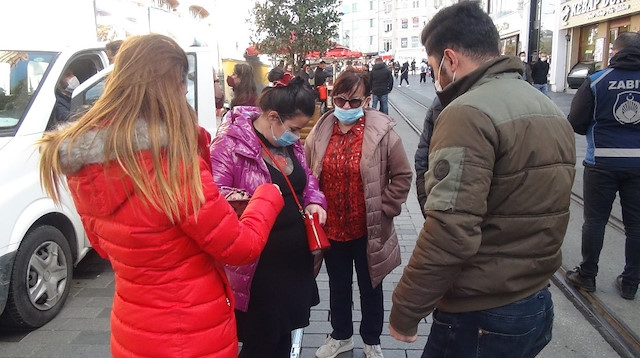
point(322, 92)
point(316, 236)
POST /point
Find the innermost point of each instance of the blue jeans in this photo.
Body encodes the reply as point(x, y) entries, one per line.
point(384, 102)
point(339, 261)
point(544, 88)
point(518, 330)
point(600, 186)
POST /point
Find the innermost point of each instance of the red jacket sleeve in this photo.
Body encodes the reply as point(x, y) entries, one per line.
point(221, 234)
point(204, 141)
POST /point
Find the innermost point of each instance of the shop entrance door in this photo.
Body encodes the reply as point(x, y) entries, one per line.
point(614, 31)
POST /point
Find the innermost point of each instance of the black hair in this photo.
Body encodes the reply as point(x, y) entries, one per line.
point(289, 101)
point(627, 39)
point(275, 74)
point(463, 27)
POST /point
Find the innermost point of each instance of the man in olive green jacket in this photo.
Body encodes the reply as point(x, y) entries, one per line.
point(501, 167)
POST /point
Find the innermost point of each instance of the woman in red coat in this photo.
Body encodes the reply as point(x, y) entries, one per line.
point(149, 204)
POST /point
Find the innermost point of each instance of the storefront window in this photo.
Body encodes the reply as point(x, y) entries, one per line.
point(588, 35)
point(614, 32)
point(548, 17)
point(509, 45)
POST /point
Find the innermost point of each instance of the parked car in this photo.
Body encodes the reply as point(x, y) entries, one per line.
point(41, 242)
point(579, 72)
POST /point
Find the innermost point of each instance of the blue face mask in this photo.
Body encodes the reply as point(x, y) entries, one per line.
point(286, 139)
point(348, 116)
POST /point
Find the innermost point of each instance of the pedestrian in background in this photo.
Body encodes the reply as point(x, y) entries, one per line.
point(381, 84)
point(607, 110)
point(148, 204)
point(424, 68)
point(526, 75)
point(366, 176)
point(244, 86)
point(217, 91)
point(404, 74)
point(320, 79)
point(496, 215)
point(305, 72)
point(275, 293)
point(111, 49)
point(539, 72)
point(413, 66)
point(64, 89)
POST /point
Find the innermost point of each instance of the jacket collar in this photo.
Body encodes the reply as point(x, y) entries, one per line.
point(486, 71)
point(626, 59)
point(88, 148)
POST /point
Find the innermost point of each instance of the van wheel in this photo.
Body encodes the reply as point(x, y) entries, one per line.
point(40, 280)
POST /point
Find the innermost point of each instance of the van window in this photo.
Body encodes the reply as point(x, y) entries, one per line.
point(21, 73)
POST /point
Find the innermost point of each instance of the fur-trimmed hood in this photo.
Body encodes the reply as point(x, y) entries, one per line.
point(89, 147)
point(99, 190)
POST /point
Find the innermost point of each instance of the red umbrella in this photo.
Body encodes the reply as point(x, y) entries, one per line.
point(313, 54)
point(343, 52)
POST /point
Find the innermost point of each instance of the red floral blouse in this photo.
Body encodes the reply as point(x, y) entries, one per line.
point(341, 182)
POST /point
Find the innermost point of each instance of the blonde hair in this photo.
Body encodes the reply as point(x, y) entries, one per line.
point(148, 82)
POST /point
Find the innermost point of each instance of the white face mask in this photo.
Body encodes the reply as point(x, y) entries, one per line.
point(543, 59)
point(72, 83)
point(437, 84)
point(523, 58)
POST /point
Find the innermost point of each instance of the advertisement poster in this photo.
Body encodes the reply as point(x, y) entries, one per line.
point(599, 49)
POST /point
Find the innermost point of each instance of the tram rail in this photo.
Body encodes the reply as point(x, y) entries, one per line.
point(621, 338)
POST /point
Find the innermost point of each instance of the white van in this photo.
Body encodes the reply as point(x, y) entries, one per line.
point(41, 242)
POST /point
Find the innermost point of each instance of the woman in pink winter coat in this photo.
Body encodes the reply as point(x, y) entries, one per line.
point(281, 284)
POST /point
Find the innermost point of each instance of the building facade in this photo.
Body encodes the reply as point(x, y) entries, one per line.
point(591, 26)
point(387, 27)
point(569, 31)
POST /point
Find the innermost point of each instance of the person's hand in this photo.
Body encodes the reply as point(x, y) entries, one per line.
point(315, 208)
point(401, 337)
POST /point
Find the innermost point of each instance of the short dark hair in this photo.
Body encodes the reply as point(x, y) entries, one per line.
point(350, 80)
point(291, 100)
point(463, 27)
point(522, 53)
point(113, 46)
point(627, 39)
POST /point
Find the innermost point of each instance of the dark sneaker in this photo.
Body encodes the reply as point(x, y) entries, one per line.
point(628, 292)
point(585, 283)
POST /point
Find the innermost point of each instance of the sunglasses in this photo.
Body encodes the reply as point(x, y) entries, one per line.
point(353, 102)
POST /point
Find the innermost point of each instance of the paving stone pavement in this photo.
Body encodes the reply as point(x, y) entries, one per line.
point(81, 329)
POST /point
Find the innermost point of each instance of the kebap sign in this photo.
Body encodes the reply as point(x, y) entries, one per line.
point(581, 12)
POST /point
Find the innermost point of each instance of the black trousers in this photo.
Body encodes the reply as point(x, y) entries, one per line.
point(339, 261)
point(268, 346)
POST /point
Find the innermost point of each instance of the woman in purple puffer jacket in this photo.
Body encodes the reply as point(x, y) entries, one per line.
point(281, 283)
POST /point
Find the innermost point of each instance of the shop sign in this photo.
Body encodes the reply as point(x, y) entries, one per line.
point(508, 24)
point(582, 12)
